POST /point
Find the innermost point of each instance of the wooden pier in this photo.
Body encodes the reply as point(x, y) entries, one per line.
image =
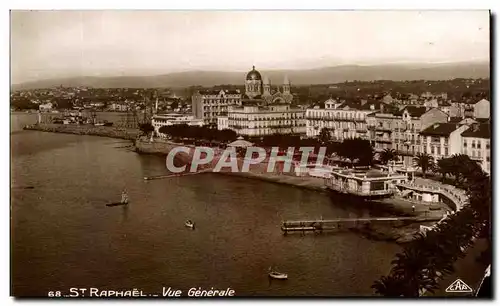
point(344, 223)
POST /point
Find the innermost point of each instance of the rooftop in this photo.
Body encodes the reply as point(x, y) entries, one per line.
point(440, 129)
point(415, 111)
point(478, 131)
point(217, 91)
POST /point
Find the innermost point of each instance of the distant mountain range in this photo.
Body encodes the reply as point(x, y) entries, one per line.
point(327, 75)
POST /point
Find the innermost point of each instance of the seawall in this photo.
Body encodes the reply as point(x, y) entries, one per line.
point(86, 129)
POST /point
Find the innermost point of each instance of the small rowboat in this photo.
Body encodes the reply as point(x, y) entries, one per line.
point(278, 275)
point(116, 204)
point(189, 224)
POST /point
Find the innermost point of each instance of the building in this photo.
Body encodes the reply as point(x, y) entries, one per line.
point(368, 184)
point(255, 120)
point(467, 109)
point(476, 143)
point(160, 120)
point(209, 104)
point(45, 107)
point(263, 110)
point(399, 130)
point(442, 140)
point(342, 120)
point(118, 107)
point(482, 109)
point(258, 89)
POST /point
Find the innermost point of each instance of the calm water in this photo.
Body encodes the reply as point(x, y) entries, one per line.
point(64, 236)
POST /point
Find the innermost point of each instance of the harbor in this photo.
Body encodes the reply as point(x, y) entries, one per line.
point(64, 219)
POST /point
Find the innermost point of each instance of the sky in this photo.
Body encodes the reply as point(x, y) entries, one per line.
point(53, 44)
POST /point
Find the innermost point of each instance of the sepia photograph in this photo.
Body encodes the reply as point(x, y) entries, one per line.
point(163, 154)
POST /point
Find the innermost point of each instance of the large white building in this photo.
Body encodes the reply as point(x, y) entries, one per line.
point(442, 140)
point(209, 104)
point(342, 120)
point(255, 120)
point(476, 143)
point(160, 120)
point(263, 110)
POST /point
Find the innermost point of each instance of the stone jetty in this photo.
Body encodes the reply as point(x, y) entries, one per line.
point(87, 129)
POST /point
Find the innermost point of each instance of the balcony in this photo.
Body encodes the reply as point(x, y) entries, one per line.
point(476, 158)
point(383, 129)
point(384, 140)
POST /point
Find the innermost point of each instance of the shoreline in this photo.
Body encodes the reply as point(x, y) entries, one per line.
point(90, 130)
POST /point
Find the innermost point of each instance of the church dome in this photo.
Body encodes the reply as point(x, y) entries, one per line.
point(254, 75)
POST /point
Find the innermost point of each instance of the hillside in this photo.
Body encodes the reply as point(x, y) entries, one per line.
point(328, 75)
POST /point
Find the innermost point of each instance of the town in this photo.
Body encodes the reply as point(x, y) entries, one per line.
point(397, 122)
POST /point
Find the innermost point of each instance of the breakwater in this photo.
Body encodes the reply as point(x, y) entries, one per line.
point(86, 129)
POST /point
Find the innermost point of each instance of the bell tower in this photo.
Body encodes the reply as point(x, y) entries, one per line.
point(286, 86)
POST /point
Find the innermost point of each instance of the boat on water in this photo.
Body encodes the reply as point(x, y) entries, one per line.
point(189, 224)
point(277, 275)
point(124, 200)
point(103, 123)
point(116, 204)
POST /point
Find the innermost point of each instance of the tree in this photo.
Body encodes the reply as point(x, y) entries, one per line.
point(424, 161)
point(387, 155)
point(358, 150)
point(411, 267)
point(23, 103)
point(146, 128)
point(324, 135)
point(389, 286)
point(444, 166)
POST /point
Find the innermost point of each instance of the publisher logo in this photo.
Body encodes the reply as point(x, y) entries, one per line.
point(459, 286)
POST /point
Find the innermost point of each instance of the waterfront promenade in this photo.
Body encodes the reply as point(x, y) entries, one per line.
point(86, 129)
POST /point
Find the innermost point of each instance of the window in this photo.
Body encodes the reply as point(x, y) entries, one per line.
point(473, 144)
point(478, 153)
point(465, 143)
point(487, 158)
point(445, 151)
point(487, 144)
point(439, 150)
point(432, 149)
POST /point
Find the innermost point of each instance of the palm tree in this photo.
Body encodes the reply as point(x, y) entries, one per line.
point(412, 266)
point(444, 166)
point(387, 155)
point(389, 286)
point(424, 161)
